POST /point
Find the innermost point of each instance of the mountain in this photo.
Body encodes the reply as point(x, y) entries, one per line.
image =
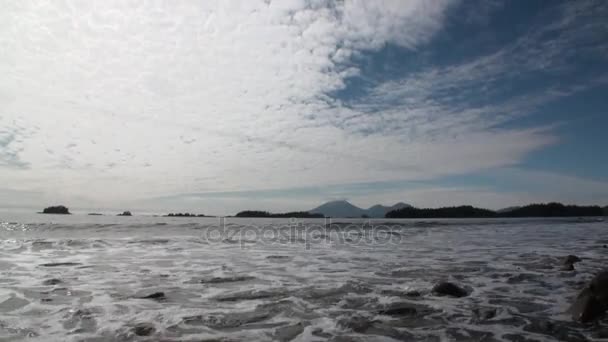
point(338, 209)
point(345, 209)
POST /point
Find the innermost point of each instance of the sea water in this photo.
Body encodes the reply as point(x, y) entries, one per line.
point(108, 278)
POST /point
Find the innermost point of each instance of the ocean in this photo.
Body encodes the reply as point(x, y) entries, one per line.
point(146, 278)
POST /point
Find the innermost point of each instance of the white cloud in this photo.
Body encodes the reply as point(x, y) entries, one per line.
point(114, 101)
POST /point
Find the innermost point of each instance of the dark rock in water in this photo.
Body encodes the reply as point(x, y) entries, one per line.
point(56, 264)
point(58, 209)
point(155, 295)
point(125, 213)
point(399, 311)
point(592, 301)
point(318, 332)
point(570, 259)
point(567, 267)
point(144, 329)
point(449, 289)
point(406, 309)
point(52, 281)
point(413, 294)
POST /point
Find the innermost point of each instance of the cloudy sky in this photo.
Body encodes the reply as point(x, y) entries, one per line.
point(218, 106)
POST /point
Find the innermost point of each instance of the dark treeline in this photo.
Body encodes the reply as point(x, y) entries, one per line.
point(184, 215)
point(447, 212)
point(554, 210)
point(295, 214)
point(532, 210)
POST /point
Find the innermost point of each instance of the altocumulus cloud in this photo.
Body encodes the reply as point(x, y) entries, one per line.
point(147, 99)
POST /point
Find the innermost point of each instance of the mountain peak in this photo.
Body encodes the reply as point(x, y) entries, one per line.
point(343, 208)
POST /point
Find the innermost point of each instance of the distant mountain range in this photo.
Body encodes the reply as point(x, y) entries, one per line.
point(345, 209)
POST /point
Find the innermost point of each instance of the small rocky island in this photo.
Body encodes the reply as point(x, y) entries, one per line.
point(58, 209)
point(125, 213)
point(293, 214)
point(184, 215)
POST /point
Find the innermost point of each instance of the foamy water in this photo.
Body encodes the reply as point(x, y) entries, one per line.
point(86, 278)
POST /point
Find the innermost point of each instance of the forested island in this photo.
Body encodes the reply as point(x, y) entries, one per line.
point(184, 215)
point(294, 214)
point(532, 210)
point(58, 209)
point(465, 211)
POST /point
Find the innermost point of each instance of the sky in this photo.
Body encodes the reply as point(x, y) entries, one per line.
point(221, 106)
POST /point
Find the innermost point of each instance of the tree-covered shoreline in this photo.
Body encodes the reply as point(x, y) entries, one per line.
point(532, 210)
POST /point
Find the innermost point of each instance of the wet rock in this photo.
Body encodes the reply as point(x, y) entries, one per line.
point(406, 309)
point(53, 281)
point(289, 332)
point(144, 329)
point(570, 259)
point(567, 267)
point(57, 264)
point(592, 302)
point(155, 296)
point(449, 289)
point(318, 332)
point(399, 311)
